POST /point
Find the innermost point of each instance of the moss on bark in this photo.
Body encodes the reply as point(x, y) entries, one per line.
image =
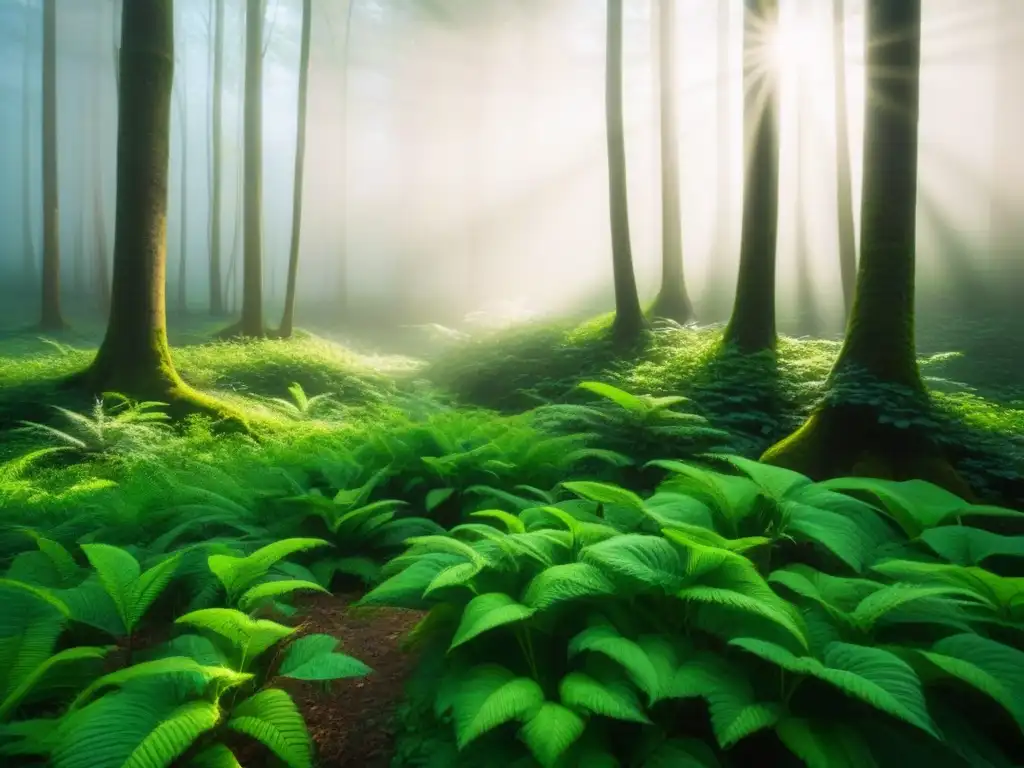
point(134, 358)
point(852, 437)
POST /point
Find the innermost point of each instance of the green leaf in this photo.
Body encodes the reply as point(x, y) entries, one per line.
point(271, 718)
point(824, 745)
point(564, 583)
point(550, 732)
point(486, 612)
point(995, 669)
point(215, 756)
point(776, 481)
point(252, 636)
point(875, 676)
point(512, 523)
point(964, 545)
point(313, 657)
point(606, 640)
point(239, 573)
point(606, 493)
point(271, 589)
point(649, 561)
point(130, 728)
point(174, 665)
point(620, 397)
point(25, 685)
point(437, 496)
point(489, 696)
point(611, 699)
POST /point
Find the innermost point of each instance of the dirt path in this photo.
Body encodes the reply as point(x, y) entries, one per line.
point(352, 724)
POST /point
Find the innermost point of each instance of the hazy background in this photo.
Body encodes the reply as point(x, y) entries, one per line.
point(476, 171)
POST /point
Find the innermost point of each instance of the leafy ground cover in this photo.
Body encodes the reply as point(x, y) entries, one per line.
point(527, 552)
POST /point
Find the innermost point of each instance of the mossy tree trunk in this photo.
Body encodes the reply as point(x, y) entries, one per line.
point(672, 302)
point(52, 319)
point(752, 325)
point(134, 358)
point(629, 318)
point(844, 184)
point(216, 300)
point(183, 237)
point(850, 434)
point(251, 323)
point(288, 318)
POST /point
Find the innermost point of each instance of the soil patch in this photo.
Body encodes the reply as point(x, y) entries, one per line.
point(352, 724)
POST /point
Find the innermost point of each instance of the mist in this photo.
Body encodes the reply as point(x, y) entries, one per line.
point(455, 160)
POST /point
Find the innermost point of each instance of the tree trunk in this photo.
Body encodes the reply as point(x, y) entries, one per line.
point(30, 266)
point(97, 124)
point(341, 200)
point(752, 325)
point(216, 162)
point(183, 238)
point(673, 302)
point(52, 319)
point(134, 358)
point(715, 303)
point(807, 310)
point(629, 318)
point(251, 323)
point(288, 318)
point(877, 364)
point(844, 184)
point(1007, 204)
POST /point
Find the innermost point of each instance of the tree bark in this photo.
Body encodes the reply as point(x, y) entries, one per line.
point(216, 161)
point(342, 193)
point(752, 325)
point(852, 432)
point(629, 319)
point(183, 238)
point(30, 266)
point(673, 302)
point(52, 318)
point(714, 303)
point(101, 266)
point(134, 358)
point(251, 323)
point(288, 318)
point(844, 184)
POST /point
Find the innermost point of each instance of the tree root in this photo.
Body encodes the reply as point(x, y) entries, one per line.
point(847, 440)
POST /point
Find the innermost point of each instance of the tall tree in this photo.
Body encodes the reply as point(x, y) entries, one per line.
point(52, 318)
point(251, 323)
point(673, 302)
point(134, 358)
point(629, 317)
point(31, 268)
point(857, 436)
point(341, 198)
point(217, 165)
point(97, 124)
point(288, 318)
point(844, 184)
point(752, 325)
point(183, 238)
point(714, 303)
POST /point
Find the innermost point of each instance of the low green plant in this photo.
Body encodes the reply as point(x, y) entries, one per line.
point(116, 425)
point(735, 615)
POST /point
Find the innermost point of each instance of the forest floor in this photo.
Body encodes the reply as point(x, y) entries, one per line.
point(395, 409)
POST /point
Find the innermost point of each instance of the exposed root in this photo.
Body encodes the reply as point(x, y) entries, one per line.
point(847, 440)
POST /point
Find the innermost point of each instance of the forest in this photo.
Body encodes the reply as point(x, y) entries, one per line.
point(519, 383)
